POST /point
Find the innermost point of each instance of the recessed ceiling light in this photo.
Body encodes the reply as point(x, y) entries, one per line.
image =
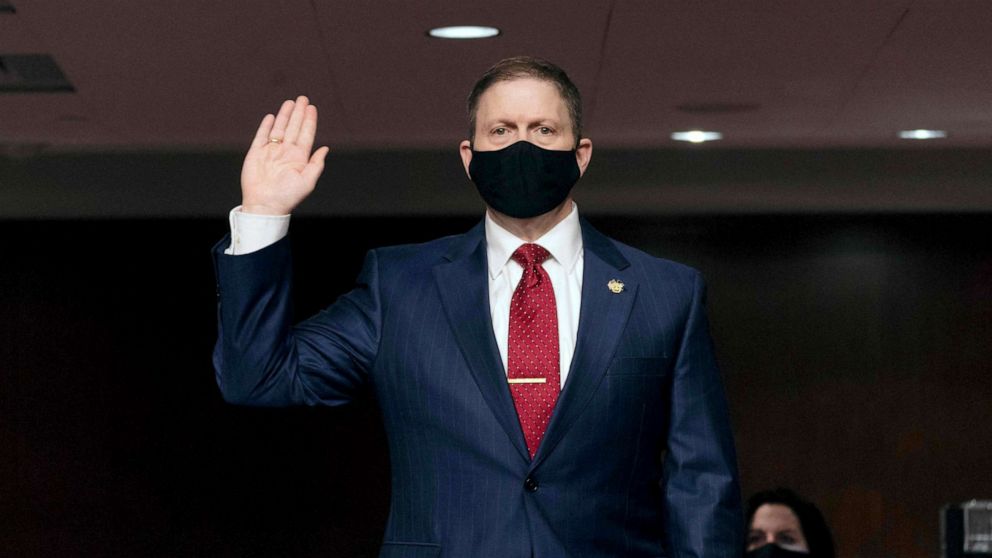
point(696, 136)
point(922, 134)
point(464, 32)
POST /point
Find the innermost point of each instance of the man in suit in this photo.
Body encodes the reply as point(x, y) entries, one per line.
point(546, 391)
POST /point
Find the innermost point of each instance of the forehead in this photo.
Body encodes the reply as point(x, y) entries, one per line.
point(774, 518)
point(522, 99)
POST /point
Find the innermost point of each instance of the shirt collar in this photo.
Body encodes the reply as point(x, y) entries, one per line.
point(563, 241)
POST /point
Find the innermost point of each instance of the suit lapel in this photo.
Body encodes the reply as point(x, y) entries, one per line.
point(602, 318)
point(464, 289)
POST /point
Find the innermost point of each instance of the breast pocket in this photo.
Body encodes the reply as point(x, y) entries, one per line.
point(634, 395)
point(639, 366)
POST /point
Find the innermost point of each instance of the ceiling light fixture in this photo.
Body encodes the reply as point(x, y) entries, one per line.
point(922, 134)
point(464, 32)
point(696, 136)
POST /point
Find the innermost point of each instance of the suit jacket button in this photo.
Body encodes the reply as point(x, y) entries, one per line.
point(530, 485)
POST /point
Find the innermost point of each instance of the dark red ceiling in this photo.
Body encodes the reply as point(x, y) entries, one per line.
point(198, 75)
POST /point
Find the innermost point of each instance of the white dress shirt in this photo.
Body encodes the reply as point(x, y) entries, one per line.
point(564, 267)
point(251, 232)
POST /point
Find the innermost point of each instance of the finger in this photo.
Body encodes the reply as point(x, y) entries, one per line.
point(262, 134)
point(296, 119)
point(279, 127)
point(308, 129)
point(313, 169)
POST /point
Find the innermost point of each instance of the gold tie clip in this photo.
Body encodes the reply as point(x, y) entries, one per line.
point(527, 380)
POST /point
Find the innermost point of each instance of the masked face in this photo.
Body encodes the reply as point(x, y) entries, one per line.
point(524, 158)
point(524, 180)
point(774, 551)
point(776, 525)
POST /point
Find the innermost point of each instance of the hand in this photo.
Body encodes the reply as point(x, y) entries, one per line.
point(277, 176)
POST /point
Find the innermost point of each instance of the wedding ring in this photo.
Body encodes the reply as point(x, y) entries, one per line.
point(275, 140)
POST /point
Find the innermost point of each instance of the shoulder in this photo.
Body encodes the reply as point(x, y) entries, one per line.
point(640, 258)
point(419, 254)
point(403, 259)
point(658, 276)
point(623, 255)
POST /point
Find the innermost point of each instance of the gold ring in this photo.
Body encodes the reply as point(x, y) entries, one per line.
point(275, 140)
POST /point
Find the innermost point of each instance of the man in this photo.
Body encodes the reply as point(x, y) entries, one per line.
point(531, 372)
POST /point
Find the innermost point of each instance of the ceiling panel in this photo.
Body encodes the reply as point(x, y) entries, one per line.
point(934, 72)
point(168, 74)
point(400, 88)
point(797, 61)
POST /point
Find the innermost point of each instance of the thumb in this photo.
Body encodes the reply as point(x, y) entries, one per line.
point(316, 165)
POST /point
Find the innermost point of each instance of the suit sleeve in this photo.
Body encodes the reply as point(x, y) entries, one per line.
point(262, 359)
point(701, 486)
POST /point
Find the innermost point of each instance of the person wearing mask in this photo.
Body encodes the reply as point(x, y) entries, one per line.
point(781, 524)
point(530, 372)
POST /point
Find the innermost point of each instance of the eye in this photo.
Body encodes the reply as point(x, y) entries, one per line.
point(785, 539)
point(499, 132)
point(545, 131)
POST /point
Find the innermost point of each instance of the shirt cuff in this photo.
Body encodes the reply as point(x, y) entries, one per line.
point(251, 232)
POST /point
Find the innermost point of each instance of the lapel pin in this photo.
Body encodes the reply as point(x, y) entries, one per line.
point(615, 285)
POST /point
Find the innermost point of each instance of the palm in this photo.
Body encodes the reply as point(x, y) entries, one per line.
point(278, 175)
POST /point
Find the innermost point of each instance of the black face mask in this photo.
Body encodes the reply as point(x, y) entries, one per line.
point(774, 551)
point(524, 180)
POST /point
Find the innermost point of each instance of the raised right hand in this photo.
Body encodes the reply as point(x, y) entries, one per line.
point(277, 176)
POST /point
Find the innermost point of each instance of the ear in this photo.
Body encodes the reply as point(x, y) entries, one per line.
point(465, 150)
point(583, 154)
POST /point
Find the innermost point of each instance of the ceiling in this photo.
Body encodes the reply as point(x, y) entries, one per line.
point(809, 95)
point(167, 75)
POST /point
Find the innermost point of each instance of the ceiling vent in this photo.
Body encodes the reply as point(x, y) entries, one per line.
point(31, 73)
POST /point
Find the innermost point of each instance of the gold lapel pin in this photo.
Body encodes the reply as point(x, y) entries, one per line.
point(615, 285)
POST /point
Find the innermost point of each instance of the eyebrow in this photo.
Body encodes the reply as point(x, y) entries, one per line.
point(540, 121)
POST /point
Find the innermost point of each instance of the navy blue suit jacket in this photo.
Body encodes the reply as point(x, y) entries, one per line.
point(638, 459)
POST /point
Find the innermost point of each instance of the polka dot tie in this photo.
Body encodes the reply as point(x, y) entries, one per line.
point(533, 346)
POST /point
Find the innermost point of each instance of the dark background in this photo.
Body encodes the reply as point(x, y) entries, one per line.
point(855, 351)
point(849, 269)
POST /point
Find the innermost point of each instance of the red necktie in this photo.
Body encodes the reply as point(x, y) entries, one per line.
point(533, 346)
